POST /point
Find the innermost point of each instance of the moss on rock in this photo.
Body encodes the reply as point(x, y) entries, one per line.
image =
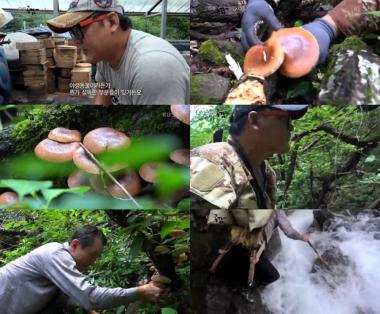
point(209, 52)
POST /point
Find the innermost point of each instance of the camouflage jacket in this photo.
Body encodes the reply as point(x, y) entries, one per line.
point(355, 17)
point(220, 180)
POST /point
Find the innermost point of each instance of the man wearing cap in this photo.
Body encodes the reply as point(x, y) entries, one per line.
point(49, 279)
point(231, 183)
point(133, 67)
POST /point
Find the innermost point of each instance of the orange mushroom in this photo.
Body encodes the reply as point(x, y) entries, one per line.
point(181, 112)
point(55, 152)
point(8, 198)
point(301, 51)
point(103, 139)
point(264, 60)
point(63, 135)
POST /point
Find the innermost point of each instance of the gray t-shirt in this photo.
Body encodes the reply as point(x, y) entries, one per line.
point(31, 282)
point(151, 72)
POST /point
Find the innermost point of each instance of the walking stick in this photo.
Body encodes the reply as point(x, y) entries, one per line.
point(319, 256)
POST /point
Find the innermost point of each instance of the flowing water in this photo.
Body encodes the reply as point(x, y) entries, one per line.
point(353, 284)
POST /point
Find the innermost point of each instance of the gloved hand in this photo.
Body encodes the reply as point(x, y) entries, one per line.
point(324, 33)
point(255, 12)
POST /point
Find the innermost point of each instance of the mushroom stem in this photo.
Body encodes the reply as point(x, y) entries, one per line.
point(265, 56)
point(110, 175)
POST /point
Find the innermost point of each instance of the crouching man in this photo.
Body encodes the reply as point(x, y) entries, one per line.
point(49, 279)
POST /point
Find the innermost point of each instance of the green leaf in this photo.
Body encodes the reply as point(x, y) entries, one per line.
point(136, 246)
point(301, 89)
point(167, 228)
point(28, 166)
point(168, 310)
point(51, 194)
point(120, 310)
point(24, 187)
point(171, 179)
point(370, 158)
point(152, 148)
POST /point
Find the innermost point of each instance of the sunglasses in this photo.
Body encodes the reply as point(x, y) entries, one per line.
point(77, 33)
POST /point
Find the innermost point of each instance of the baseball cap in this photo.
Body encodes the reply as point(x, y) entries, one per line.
point(80, 10)
point(295, 111)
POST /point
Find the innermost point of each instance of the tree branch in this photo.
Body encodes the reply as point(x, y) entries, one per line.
point(344, 138)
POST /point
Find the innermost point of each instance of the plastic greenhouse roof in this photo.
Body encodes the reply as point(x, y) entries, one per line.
point(130, 6)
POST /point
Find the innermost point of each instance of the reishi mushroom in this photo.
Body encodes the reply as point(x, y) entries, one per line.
point(264, 60)
point(8, 198)
point(181, 112)
point(63, 135)
point(301, 51)
point(102, 139)
point(55, 152)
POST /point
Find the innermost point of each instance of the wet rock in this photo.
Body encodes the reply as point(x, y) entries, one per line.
point(336, 273)
point(353, 77)
point(321, 217)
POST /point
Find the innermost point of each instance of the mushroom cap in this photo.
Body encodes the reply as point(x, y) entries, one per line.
point(77, 178)
point(55, 152)
point(181, 156)
point(301, 51)
point(148, 171)
point(82, 161)
point(129, 180)
point(264, 60)
point(181, 112)
point(8, 197)
point(103, 139)
point(63, 135)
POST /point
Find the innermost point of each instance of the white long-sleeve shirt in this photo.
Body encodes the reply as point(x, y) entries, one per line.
point(31, 282)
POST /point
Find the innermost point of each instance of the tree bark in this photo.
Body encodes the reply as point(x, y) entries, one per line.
point(217, 10)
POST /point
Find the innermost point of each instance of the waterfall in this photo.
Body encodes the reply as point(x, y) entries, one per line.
point(352, 286)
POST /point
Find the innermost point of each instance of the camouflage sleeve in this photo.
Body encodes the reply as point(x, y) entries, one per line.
point(199, 203)
point(211, 182)
point(354, 17)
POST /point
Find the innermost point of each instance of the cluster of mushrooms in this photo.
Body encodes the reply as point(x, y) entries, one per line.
point(63, 145)
point(293, 51)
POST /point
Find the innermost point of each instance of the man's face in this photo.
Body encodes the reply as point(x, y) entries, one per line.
point(85, 257)
point(96, 42)
point(273, 128)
